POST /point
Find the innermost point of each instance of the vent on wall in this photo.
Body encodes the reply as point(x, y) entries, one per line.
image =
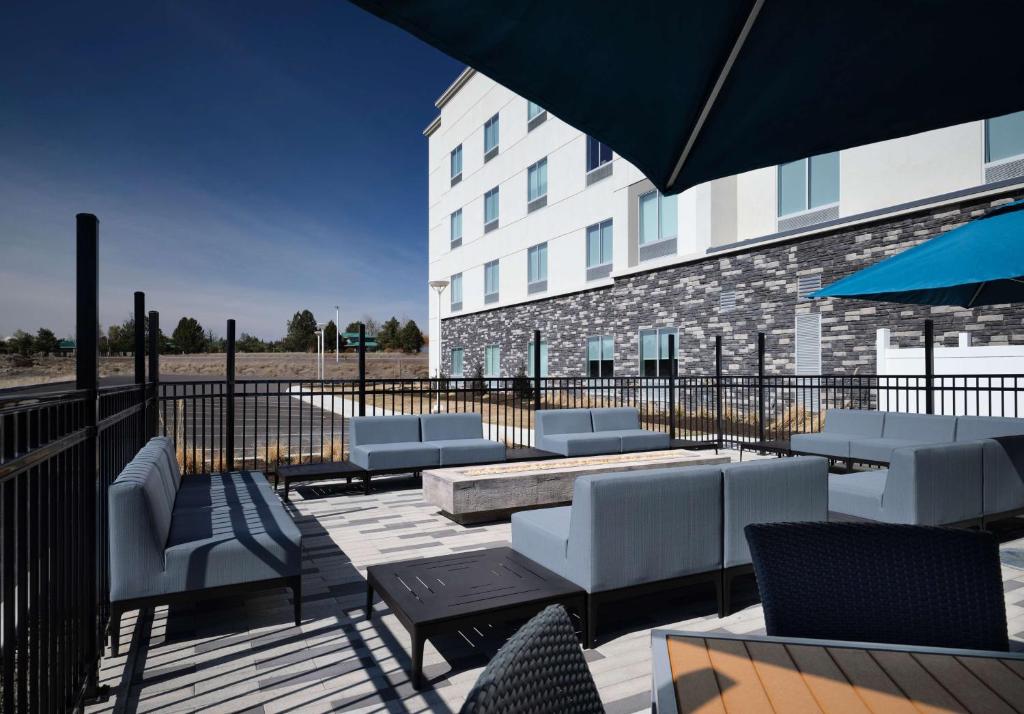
point(1005, 170)
point(807, 284)
point(809, 218)
point(727, 301)
point(808, 344)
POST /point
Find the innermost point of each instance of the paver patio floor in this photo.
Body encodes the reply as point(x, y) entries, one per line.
point(245, 654)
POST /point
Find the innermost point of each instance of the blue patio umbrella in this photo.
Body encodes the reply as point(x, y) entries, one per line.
point(692, 90)
point(980, 263)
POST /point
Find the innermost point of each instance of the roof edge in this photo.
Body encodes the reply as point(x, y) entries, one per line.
point(432, 126)
point(454, 87)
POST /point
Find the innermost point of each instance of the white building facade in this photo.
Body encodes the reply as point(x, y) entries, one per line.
point(538, 226)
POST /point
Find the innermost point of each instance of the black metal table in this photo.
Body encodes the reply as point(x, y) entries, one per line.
point(432, 596)
point(347, 470)
point(693, 444)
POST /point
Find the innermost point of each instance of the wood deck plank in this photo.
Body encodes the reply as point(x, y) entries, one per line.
point(695, 683)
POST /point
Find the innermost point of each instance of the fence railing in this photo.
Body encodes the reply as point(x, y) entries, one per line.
point(55, 466)
point(282, 421)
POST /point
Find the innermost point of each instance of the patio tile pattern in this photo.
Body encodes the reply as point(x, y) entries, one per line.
point(245, 654)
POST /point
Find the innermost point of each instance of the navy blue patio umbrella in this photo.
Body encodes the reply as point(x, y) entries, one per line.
point(692, 90)
point(980, 263)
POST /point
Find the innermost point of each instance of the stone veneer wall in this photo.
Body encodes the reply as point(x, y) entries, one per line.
point(765, 280)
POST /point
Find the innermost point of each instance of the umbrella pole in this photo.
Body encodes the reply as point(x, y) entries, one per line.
point(929, 366)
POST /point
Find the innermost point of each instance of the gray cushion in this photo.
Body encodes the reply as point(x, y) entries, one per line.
point(209, 547)
point(441, 427)
point(879, 449)
point(860, 422)
point(468, 451)
point(222, 489)
point(639, 439)
point(771, 491)
point(580, 444)
point(615, 419)
point(643, 526)
point(1003, 467)
point(384, 430)
point(972, 428)
point(934, 485)
point(562, 421)
point(857, 494)
point(542, 535)
point(824, 443)
point(413, 456)
point(919, 428)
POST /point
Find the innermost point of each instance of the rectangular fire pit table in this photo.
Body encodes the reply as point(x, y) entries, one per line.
point(484, 493)
point(432, 596)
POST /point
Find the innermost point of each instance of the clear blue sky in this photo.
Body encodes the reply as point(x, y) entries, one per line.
point(246, 159)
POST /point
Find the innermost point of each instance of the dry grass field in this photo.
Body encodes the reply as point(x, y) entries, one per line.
point(20, 372)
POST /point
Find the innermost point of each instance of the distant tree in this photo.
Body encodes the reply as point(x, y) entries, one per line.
point(300, 337)
point(4, 347)
point(388, 335)
point(477, 383)
point(21, 343)
point(121, 338)
point(352, 327)
point(188, 336)
point(330, 331)
point(522, 385)
point(410, 338)
point(45, 342)
point(250, 343)
point(104, 345)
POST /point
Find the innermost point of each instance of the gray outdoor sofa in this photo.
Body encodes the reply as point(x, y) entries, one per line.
point(627, 533)
point(588, 432)
point(414, 443)
point(175, 539)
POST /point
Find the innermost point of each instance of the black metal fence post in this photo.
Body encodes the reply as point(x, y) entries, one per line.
point(229, 415)
point(719, 416)
point(760, 388)
point(536, 370)
point(140, 358)
point(87, 329)
point(929, 366)
point(362, 369)
point(154, 372)
point(674, 365)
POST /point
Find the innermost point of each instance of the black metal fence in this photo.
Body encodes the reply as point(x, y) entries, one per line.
point(55, 466)
point(281, 421)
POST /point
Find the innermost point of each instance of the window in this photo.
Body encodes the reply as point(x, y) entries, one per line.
point(455, 229)
point(808, 183)
point(658, 220)
point(492, 361)
point(598, 153)
point(491, 281)
point(1004, 137)
point(491, 138)
point(543, 358)
point(656, 359)
point(533, 110)
point(491, 209)
point(537, 268)
point(458, 362)
point(456, 292)
point(599, 244)
point(600, 361)
point(537, 180)
point(456, 163)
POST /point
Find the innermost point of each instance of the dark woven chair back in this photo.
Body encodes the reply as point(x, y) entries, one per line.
point(874, 582)
point(540, 670)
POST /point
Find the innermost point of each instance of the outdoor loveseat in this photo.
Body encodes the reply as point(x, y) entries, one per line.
point(414, 443)
point(175, 539)
point(588, 432)
point(627, 533)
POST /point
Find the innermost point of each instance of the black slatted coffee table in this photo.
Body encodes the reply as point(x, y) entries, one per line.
point(431, 596)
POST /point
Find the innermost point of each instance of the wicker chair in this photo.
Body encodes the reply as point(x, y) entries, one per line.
point(540, 670)
point(873, 582)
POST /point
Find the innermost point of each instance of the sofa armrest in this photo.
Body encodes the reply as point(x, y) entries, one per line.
point(934, 485)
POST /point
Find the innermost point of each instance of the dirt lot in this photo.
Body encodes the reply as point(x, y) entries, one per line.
point(18, 371)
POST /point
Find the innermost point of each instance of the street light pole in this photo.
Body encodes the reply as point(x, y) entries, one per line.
point(337, 334)
point(438, 287)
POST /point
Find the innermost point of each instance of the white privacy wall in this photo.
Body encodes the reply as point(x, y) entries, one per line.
point(969, 380)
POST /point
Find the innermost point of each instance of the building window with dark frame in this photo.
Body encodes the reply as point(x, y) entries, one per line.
point(543, 358)
point(456, 292)
point(491, 205)
point(458, 362)
point(456, 164)
point(808, 184)
point(491, 138)
point(656, 359)
point(598, 154)
point(492, 361)
point(600, 356)
point(491, 280)
point(455, 229)
point(537, 268)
